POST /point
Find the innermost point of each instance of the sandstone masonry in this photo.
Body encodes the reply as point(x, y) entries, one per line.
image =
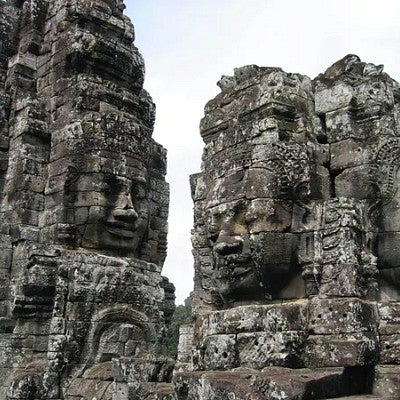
point(84, 207)
point(296, 224)
point(296, 239)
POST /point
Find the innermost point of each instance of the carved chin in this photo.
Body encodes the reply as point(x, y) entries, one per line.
point(122, 231)
point(391, 276)
point(239, 283)
point(113, 237)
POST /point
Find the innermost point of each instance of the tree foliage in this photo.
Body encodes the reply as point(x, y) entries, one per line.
point(182, 316)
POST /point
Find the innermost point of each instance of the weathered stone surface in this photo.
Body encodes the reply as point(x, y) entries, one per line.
point(387, 382)
point(272, 383)
point(83, 207)
point(296, 228)
point(295, 238)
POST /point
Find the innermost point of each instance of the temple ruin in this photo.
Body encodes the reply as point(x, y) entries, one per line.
point(296, 224)
point(296, 239)
point(84, 207)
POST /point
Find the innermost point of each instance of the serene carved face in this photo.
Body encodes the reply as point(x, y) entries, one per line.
point(111, 210)
point(249, 231)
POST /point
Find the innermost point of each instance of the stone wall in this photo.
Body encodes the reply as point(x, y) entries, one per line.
point(296, 224)
point(84, 208)
point(296, 228)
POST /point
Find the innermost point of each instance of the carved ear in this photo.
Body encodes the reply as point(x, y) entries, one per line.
point(67, 234)
point(301, 190)
point(17, 3)
point(72, 176)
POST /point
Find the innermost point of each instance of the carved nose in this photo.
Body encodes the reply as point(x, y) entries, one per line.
point(227, 244)
point(125, 210)
point(128, 214)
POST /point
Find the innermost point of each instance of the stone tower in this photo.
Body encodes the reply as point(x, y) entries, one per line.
point(296, 239)
point(84, 207)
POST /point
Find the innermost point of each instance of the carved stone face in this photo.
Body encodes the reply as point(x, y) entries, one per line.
point(254, 252)
point(122, 223)
point(234, 267)
point(110, 209)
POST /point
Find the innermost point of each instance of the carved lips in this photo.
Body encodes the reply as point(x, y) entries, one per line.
point(122, 229)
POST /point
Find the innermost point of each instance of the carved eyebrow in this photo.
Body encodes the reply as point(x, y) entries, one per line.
point(113, 179)
point(139, 179)
point(139, 188)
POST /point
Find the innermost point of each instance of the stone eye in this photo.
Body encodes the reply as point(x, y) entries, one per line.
point(213, 232)
point(106, 188)
point(213, 226)
point(230, 213)
point(139, 190)
point(302, 191)
point(251, 216)
point(112, 185)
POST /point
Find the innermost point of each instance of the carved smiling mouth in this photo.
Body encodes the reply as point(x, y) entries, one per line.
point(235, 266)
point(233, 273)
point(240, 271)
point(121, 229)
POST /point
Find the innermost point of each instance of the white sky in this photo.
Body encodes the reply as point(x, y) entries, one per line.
point(189, 44)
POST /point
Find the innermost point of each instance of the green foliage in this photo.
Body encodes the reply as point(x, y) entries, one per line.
point(182, 316)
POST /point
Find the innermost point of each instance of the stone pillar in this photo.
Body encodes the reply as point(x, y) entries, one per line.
point(295, 238)
point(84, 208)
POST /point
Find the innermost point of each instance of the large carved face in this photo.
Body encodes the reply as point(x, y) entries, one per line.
point(249, 228)
point(110, 208)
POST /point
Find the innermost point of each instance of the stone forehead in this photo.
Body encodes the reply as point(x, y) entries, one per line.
point(249, 75)
point(268, 182)
point(111, 156)
point(279, 158)
point(113, 133)
point(106, 163)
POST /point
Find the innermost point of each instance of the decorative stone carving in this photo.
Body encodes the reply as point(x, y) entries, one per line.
point(295, 224)
point(295, 238)
point(84, 207)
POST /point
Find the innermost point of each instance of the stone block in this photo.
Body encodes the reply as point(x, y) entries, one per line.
point(389, 349)
point(387, 247)
point(185, 348)
point(389, 318)
point(340, 125)
point(5, 258)
point(346, 350)
point(349, 153)
point(387, 382)
point(273, 383)
point(355, 183)
point(307, 217)
point(338, 316)
point(268, 215)
point(219, 352)
point(261, 183)
point(320, 183)
point(332, 99)
point(88, 387)
point(290, 316)
point(262, 349)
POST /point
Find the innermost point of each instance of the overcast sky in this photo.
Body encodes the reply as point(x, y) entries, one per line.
point(189, 44)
